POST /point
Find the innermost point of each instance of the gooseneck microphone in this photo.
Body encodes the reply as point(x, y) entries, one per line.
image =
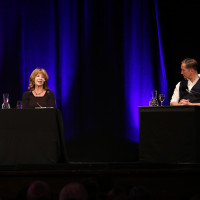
point(39, 105)
point(192, 92)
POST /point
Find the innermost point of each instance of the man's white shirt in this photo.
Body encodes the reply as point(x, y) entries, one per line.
point(175, 96)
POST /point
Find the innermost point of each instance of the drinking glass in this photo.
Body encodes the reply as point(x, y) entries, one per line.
point(161, 98)
point(19, 105)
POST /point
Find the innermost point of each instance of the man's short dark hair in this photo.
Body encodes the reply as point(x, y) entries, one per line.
point(190, 63)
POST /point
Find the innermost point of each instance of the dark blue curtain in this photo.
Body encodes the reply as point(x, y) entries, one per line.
point(103, 58)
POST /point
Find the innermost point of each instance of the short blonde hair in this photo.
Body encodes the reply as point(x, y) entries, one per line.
point(34, 74)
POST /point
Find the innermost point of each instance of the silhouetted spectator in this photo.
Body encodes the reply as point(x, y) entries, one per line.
point(93, 189)
point(39, 190)
point(118, 192)
point(139, 193)
point(73, 191)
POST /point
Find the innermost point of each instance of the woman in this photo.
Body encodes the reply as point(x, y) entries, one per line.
point(39, 95)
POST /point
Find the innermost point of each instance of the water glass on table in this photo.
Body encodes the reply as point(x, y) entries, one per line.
point(161, 98)
point(19, 105)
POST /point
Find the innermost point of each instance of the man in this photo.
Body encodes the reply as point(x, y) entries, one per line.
point(187, 91)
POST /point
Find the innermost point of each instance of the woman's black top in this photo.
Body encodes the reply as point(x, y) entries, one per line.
point(30, 101)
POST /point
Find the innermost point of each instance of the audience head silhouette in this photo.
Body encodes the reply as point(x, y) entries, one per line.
point(73, 191)
point(139, 192)
point(39, 190)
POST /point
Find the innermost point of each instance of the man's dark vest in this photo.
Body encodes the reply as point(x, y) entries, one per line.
point(194, 95)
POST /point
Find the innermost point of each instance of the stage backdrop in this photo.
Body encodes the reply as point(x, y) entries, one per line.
point(103, 58)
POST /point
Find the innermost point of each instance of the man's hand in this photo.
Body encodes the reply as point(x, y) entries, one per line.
point(185, 102)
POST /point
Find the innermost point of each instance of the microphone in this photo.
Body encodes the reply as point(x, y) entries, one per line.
point(192, 92)
point(188, 91)
point(39, 105)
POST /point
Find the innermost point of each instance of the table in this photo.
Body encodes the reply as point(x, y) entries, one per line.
point(169, 134)
point(31, 136)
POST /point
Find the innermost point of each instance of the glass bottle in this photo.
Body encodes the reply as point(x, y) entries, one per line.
point(154, 99)
point(5, 104)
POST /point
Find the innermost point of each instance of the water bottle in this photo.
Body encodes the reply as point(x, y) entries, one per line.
point(154, 100)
